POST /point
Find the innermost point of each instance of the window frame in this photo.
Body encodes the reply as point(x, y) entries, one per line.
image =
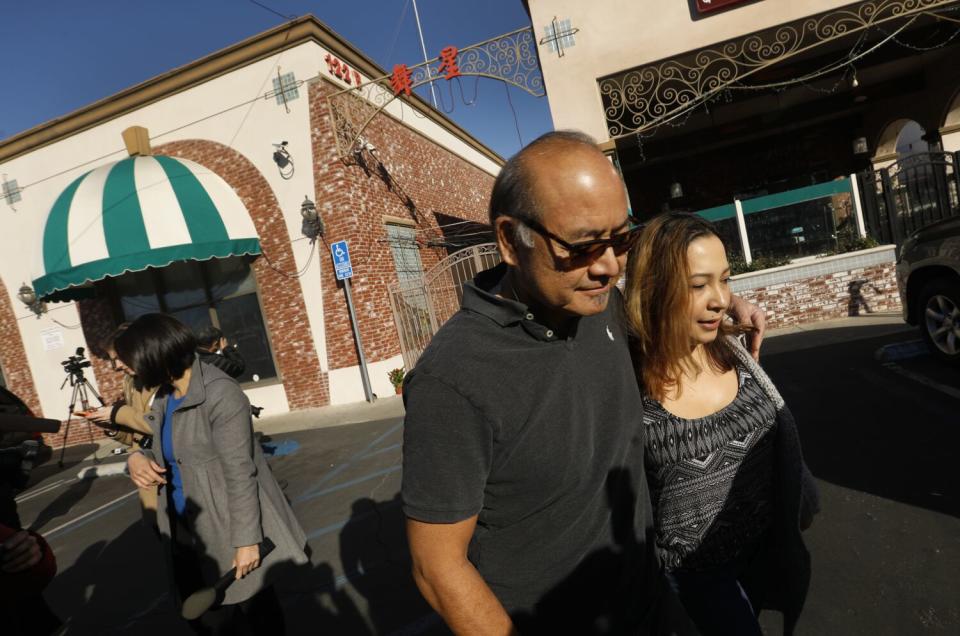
point(160, 289)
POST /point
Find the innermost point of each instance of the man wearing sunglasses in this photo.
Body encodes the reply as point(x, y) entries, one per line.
point(524, 488)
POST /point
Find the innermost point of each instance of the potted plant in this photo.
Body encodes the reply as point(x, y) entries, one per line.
point(396, 379)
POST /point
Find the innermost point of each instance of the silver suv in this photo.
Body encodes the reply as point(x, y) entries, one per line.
point(928, 274)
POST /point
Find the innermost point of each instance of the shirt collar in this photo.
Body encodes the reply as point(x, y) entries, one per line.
point(480, 296)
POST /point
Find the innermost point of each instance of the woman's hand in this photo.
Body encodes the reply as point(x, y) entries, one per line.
point(246, 560)
point(145, 472)
point(750, 315)
point(20, 552)
point(101, 416)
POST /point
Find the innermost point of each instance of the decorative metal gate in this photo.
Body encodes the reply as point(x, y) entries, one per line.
point(917, 190)
point(420, 307)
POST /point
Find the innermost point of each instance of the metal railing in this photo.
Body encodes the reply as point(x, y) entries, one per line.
point(420, 307)
point(916, 191)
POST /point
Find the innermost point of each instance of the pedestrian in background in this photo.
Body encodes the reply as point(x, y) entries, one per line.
point(213, 348)
point(124, 420)
point(218, 498)
point(729, 487)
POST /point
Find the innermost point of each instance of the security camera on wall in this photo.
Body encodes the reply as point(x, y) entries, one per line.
point(280, 144)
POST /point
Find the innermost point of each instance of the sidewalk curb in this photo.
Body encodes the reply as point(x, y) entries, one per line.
point(901, 351)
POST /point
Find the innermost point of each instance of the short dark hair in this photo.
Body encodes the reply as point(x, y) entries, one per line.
point(208, 336)
point(110, 344)
point(513, 188)
point(159, 348)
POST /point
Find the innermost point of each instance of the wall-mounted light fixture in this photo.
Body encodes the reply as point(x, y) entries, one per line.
point(676, 190)
point(29, 298)
point(860, 146)
point(312, 226)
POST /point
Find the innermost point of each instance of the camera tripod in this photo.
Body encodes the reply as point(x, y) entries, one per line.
point(81, 391)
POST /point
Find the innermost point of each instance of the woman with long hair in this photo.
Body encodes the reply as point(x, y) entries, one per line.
point(728, 484)
point(218, 499)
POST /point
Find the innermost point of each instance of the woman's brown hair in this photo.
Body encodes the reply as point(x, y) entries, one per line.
point(658, 303)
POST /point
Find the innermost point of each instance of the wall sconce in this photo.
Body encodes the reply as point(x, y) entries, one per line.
point(860, 146)
point(29, 298)
point(676, 190)
point(312, 226)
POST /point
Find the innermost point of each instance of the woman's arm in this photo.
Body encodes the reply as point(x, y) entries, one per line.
point(229, 412)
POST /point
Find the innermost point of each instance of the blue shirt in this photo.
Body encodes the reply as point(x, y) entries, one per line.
point(174, 480)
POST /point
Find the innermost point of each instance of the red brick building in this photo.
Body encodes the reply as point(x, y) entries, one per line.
point(216, 124)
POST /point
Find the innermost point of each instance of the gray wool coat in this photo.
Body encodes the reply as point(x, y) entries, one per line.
point(232, 497)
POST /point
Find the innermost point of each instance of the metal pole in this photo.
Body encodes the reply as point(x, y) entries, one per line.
point(742, 230)
point(857, 206)
point(423, 47)
point(367, 391)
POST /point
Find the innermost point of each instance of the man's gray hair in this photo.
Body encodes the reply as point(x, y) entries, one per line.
point(513, 192)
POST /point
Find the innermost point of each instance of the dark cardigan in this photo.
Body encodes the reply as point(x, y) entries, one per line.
point(780, 576)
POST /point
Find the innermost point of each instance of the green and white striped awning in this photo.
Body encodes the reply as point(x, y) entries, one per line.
point(137, 213)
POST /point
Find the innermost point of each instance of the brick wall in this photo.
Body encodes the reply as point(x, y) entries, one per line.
point(284, 309)
point(98, 321)
point(850, 293)
point(13, 357)
point(409, 177)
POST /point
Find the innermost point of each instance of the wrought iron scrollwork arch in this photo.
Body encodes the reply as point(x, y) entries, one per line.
point(648, 96)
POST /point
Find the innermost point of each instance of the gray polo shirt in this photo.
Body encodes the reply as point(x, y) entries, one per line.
point(541, 437)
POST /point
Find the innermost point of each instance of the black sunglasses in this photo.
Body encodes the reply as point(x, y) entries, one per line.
point(594, 248)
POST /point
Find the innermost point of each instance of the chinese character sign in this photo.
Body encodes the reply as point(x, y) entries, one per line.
point(448, 63)
point(401, 80)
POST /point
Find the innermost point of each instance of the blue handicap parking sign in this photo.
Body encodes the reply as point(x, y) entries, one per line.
point(341, 260)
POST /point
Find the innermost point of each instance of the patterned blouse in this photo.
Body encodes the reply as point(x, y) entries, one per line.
point(711, 478)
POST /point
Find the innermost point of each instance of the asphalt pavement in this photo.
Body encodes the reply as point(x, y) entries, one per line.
point(879, 435)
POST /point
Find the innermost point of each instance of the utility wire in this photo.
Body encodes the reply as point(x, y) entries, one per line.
point(273, 11)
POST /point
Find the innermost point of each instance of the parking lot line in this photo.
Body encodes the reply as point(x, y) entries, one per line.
point(922, 379)
point(310, 494)
point(42, 491)
point(347, 484)
point(85, 518)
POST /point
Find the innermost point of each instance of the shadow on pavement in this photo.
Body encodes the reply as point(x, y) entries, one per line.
point(374, 595)
point(819, 337)
point(63, 504)
point(73, 456)
point(868, 429)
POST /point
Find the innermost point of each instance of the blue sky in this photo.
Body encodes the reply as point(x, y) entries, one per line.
point(63, 54)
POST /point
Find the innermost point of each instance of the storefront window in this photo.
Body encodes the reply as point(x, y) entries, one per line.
point(220, 292)
point(793, 231)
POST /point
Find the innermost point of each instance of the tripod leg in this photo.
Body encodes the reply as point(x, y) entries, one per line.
point(66, 432)
point(84, 386)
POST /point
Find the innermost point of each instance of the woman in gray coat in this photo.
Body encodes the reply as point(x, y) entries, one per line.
point(218, 499)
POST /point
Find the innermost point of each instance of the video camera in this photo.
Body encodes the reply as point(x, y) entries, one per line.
point(16, 462)
point(75, 364)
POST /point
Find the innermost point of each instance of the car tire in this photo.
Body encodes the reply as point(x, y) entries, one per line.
point(938, 315)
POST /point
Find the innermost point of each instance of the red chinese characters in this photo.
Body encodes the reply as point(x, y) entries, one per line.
point(341, 70)
point(448, 63)
point(402, 79)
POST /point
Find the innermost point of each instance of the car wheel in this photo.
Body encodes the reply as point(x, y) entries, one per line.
point(939, 318)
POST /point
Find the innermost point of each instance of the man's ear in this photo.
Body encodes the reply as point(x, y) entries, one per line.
point(505, 231)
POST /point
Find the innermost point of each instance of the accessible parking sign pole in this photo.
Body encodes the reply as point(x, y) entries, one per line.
point(344, 271)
